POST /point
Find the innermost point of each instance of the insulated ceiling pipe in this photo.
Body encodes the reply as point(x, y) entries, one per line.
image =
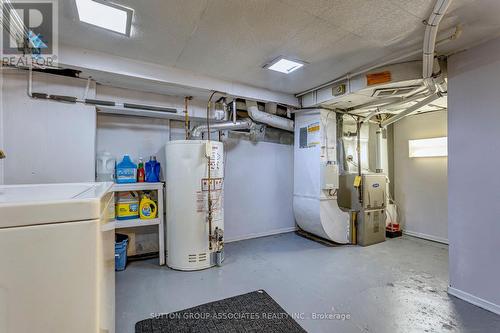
point(412, 109)
point(266, 118)
point(245, 123)
point(432, 27)
point(456, 34)
point(431, 30)
point(385, 107)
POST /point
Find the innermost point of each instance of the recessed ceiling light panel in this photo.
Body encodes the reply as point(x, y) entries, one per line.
point(283, 65)
point(105, 15)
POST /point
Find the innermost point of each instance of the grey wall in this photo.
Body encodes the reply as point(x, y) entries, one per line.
point(420, 184)
point(258, 189)
point(473, 183)
point(45, 141)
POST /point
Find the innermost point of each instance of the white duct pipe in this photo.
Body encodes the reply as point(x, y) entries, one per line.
point(384, 107)
point(411, 109)
point(456, 33)
point(227, 126)
point(234, 111)
point(431, 30)
point(378, 156)
point(269, 119)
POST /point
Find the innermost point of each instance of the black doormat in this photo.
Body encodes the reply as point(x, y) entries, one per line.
point(252, 312)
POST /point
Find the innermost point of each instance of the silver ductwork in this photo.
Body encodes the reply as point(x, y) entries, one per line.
point(267, 118)
point(245, 123)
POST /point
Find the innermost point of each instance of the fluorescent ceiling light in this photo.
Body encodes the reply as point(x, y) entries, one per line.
point(283, 65)
point(434, 147)
point(105, 15)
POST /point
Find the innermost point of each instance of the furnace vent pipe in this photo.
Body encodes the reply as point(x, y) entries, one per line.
point(227, 126)
point(457, 32)
point(378, 156)
point(267, 118)
point(431, 30)
point(411, 109)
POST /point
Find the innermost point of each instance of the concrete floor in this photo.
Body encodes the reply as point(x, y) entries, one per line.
point(396, 286)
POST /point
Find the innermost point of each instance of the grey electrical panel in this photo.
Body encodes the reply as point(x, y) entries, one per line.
point(368, 200)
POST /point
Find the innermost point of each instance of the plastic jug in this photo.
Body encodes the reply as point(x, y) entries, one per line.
point(105, 167)
point(147, 208)
point(126, 171)
point(152, 170)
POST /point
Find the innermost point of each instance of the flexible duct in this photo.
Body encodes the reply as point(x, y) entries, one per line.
point(266, 118)
point(227, 126)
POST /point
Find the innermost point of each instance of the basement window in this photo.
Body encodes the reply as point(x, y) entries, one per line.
point(106, 15)
point(434, 147)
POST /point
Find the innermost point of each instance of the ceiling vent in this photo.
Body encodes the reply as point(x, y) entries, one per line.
point(394, 92)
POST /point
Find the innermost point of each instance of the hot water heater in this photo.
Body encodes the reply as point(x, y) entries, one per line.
point(194, 196)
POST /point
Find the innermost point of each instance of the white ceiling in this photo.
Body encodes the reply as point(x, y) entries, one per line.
point(233, 39)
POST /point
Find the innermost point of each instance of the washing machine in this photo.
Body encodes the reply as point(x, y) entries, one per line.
point(57, 258)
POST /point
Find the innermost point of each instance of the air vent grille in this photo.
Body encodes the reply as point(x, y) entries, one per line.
point(198, 257)
point(394, 92)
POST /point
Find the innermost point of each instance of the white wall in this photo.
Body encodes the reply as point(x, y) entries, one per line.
point(258, 189)
point(420, 184)
point(56, 142)
point(473, 182)
point(258, 180)
point(46, 141)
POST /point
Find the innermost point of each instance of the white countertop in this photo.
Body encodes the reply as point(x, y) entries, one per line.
point(32, 204)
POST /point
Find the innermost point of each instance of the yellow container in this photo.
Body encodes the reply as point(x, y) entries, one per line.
point(147, 208)
point(127, 206)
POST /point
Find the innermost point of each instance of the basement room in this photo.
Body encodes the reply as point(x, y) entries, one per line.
point(249, 166)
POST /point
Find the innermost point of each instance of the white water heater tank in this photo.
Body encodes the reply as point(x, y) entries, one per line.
point(187, 190)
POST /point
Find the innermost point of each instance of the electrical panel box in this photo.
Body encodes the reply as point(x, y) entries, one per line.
point(329, 175)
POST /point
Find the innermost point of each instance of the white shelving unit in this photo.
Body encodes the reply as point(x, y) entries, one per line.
point(135, 223)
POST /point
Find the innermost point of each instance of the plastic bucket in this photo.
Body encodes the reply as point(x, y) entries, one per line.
point(121, 242)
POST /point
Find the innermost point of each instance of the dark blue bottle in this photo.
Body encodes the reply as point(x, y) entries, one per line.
point(152, 170)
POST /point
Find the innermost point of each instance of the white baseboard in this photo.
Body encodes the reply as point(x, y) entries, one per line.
point(426, 236)
point(482, 303)
point(260, 234)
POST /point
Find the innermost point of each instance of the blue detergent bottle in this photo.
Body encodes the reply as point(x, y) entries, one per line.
point(152, 170)
point(126, 171)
